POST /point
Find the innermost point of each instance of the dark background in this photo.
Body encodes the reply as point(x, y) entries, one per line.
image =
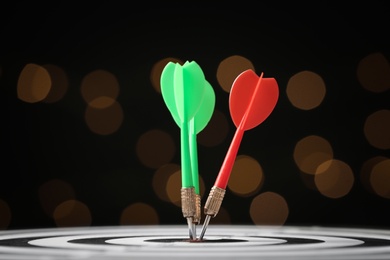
point(281, 37)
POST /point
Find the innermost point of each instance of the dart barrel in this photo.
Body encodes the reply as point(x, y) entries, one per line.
point(198, 212)
point(214, 201)
point(188, 202)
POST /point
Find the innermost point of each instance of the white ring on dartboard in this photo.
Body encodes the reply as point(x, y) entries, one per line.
point(168, 242)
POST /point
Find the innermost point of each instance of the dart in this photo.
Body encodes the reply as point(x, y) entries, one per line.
point(183, 89)
point(197, 124)
point(251, 101)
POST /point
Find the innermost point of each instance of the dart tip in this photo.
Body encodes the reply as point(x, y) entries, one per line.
point(191, 229)
point(205, 225)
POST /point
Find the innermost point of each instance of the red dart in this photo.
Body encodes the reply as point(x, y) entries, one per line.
point(251, 101)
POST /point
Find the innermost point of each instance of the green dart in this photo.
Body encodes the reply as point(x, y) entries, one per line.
point(183, 89)
point(197, 124)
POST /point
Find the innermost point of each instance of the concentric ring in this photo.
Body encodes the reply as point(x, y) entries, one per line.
point(171, 242)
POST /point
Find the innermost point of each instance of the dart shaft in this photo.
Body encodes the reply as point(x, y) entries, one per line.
point(228, 163)
point(186, 176)
point(193, 150)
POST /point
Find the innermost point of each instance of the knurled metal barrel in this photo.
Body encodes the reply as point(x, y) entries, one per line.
point(214, 201)
point(198, 211)
point(188, 202)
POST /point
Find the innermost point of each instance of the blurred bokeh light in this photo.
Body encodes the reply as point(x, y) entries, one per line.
point(89, 141)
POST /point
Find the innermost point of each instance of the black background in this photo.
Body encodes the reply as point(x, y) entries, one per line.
point(281, 38)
